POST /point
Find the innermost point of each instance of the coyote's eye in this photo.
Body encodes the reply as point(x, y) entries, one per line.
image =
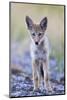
point(39, 34)
point(33, 34)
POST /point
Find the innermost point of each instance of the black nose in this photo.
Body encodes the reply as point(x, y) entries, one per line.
point(36, 43)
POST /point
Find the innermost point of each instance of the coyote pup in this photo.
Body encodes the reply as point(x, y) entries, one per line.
point(39, 52)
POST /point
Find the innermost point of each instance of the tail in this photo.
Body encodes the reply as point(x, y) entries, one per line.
point(41, 70)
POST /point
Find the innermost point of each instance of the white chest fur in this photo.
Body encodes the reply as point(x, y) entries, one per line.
point(40, 52)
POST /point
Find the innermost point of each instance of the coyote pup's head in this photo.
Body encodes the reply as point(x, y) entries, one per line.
point(37, 31)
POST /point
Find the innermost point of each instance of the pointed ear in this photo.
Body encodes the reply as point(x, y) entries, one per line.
point(43, 23)
point(29, 22)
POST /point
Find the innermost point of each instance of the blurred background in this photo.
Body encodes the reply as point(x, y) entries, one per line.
point(20, 39)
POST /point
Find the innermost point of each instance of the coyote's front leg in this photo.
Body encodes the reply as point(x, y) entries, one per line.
point(46, 77)
point(35, 76)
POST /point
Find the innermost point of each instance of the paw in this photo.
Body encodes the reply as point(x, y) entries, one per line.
point(50, 90)
point(36, 90)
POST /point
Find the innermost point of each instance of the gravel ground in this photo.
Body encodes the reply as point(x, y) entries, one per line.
point(23, 86)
